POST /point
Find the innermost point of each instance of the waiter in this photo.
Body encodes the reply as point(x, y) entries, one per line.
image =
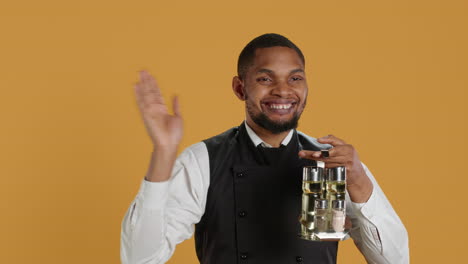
point(240, 191)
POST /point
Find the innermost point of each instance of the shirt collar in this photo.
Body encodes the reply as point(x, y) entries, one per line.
point(258, 141)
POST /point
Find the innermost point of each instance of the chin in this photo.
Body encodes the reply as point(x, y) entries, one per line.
point(275, 126)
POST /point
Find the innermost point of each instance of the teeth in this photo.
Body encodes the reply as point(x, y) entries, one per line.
point(280, 106)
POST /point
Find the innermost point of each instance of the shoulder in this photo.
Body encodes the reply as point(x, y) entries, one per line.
point(193, 163)
point(221, 144)
point(194, 154)
point(222, 137)
point(311, 140)
point(199, 151)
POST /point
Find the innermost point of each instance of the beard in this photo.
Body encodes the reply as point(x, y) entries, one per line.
point(274, 127)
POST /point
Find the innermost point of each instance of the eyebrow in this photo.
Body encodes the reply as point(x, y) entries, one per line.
point(296, 70)
point(264, 70)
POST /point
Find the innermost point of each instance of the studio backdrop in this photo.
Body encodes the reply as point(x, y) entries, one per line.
point(388, 77)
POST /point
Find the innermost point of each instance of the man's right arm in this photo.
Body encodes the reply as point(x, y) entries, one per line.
point(172, 195)
point(163, 213)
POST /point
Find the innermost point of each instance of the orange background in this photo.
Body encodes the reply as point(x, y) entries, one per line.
point(388, 77)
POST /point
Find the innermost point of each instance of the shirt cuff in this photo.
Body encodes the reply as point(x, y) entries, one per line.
point(153, 195)
point(358, 206)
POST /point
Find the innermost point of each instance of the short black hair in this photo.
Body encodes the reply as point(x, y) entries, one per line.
point(268, 40)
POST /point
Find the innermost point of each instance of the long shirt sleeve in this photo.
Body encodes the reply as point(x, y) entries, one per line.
point(163, 215)
point(377, 230)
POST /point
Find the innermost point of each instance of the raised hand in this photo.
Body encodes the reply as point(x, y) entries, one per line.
point(164, 129)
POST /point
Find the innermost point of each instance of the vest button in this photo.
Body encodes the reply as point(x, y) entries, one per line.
point(299, 259)
point(244, 256)
point(240, 175)
point(242, 213)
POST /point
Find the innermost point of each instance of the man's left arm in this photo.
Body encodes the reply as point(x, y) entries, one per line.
point(377, 230)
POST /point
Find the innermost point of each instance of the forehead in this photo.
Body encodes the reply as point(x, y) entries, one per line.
point(276, 58)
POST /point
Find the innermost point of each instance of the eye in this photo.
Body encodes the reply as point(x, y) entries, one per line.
point(296, 78)
point(263, 79)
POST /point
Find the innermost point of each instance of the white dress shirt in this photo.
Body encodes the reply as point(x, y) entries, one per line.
point(163, 214)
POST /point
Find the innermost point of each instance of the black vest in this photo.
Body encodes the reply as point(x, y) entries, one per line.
point(254, 203)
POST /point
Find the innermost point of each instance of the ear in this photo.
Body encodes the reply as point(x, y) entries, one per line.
point(238, 88)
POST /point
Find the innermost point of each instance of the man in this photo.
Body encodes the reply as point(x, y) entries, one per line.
point(242, 188)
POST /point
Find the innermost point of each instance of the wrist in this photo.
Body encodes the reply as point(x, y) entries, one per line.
point(165, 148)
point(360, 189)
point(161, 164)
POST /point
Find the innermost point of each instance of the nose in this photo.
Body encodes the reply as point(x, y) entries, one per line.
point(282, 89)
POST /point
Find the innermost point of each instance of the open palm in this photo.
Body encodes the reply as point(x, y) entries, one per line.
point(164, 129)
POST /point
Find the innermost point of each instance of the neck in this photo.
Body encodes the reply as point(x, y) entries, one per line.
point(266, 135)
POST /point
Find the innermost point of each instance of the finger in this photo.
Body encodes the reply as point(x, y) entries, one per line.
point(330, 162)
point(315, 155)
point(334, 164)
point(334, 159)
point(144, 75)
point(338, 151)
point(153, 84)
point(176, 106)
point(144, 83)
point(323, 154)
point(137, 89)
point(149, 89)
point(332, 140)
point(142, 94)
point(337, 159)
point(309, 154)
point(156, 92)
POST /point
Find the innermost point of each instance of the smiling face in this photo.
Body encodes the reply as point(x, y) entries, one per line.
point(274, 89)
